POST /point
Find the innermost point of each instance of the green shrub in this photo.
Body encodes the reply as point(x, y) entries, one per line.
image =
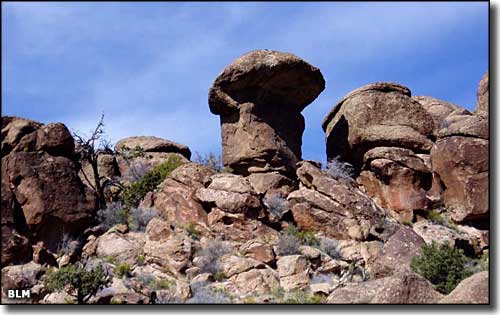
point(122, 269)
point(443, 265)
point(140, 260)
point(163, 284)
point(305, 237)
point(134, 193)
point(407, 223)
point(84, 282)
point(437, 218)
point(192, 230)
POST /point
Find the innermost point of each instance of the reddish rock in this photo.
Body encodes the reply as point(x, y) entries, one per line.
point(483, 95)
point(14, 129)
point(334, 208)
point(50, 194)
point(377, 115)
point(250, 96)
point(462, 165)
point(473, 290)
point(437, 108)
point(397, 179)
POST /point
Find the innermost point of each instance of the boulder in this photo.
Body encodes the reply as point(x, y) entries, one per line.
point(228, 201)
point(401, 288)
point(237, 227)
point(133, 167)
point(483, 95)
point(397, 179)
point(50, 194)
point(119, 247)
point(170, 250)
point(152, 144)
point(53, 138)
point(258, 250)
point(175, 199)
point(431, 232)
point(293, 271)
point(16, 248)
point(473, 290)
point(21, 276)
point(338, 210)
point(14, 129)
point(377, 115)
point(271, 184)
point(462, 165)
point(437, 108)
point(250, 96)
point(397, 253)
point(256, 281)
point(232, 265)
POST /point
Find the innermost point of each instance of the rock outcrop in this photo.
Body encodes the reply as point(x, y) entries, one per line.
point(460, 158)
point(251, 96)
point(377, 115)
point(483, 95)
point(473, 290)
point(152, 144)
point(47, 196)
point(337, 209)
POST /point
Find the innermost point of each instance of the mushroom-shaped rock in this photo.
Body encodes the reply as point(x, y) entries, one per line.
point(259, 98)
point(483, 95)
point(375, 115)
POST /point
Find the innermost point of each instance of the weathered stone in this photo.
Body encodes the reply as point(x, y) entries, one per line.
point(42, 256)
point(250, 95)
point(236, 227)
point(50, 194)
point(152, 144)
point(14, 129)
point(483, 95)
point(397, 179)
point(334, 208)
point(232, 202)
point(375, 115)
point(256, 281)
point(232, 265)
point(401, 288)
point(437, 108)
point(440, 234)
point(21, 276)
point(258, 250)
point(473, 290)
point(466, 125)
point(397, 252)
point(176, 203)
point(271, 184)
point(164, 248)
point(120, 247)
point(462, 165)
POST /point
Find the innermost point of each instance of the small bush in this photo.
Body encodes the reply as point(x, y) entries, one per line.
point(140, 259)
point(287, 245)
point(85, 282)
point(214, 250)
point(299, 296)
point(437, 218)
point(134, 193)
point(330, 247)
point(478, 264)
point(122, 270)
point(203, 293)
point(276, 205)
point(136, 171)
point(443, 265)
point(67, 246)
point(407, 223)
point(154, 283)
point(337, 169)
point(191, 229)
point(209, 160)
point(139, 218)
point(114, 214)
point(305, 237)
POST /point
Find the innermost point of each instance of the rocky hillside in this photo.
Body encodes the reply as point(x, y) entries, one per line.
point(399, 214)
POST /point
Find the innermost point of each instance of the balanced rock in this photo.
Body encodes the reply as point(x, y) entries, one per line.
point(251, 96)
point(483, 95)
point(152, 144)
point(377, 115)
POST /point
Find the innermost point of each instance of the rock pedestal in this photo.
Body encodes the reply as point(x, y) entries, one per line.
point(259, 98)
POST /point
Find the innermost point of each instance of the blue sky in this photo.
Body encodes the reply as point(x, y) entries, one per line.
point(148, 66)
